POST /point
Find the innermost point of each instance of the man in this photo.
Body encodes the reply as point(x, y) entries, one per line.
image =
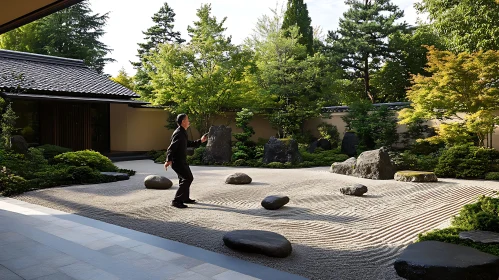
point(176, 157)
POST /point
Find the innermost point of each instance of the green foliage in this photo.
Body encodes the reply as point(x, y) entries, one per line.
point(451, 235)
point(466, 161)
point(297, 15)
point(374, 127)
point(463, 83)
point(409, 160)
point(361, 41)
point(275, 165)
point(127, 171)
point(482, 215)
point(160, 33)
point(321, 157)
point(466, 25)
point(50, 151)
point(329, 132)
point(7, 126)
point(197, 157)
point(123, 79)
point(88, 158)
point(10, 183)
point(492, 176)
point(243, 118)
point(73, 32)
point(202, 78)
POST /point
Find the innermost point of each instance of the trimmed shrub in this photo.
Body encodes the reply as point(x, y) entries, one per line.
point(197, 157)
point(466, 161)
point(88, 158)
point(50, 151)
point(492, 176)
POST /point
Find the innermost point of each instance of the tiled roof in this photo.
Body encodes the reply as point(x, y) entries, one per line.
point(62, 76)
point(391, 106)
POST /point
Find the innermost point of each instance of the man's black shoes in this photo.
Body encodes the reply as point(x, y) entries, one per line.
point(190, 201)
point(178, 204)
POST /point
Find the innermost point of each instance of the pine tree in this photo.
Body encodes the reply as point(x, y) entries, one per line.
point(73, 33)
point(160, 33)
point(297, 14)
point(361, 40)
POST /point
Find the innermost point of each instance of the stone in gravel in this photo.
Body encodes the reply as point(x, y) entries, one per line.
point(324, 144)
point(259, 242)
point(375, 164)
point(238, 179)
point(219, 146)
point(487, 237)
point(415, 176)
point(356, 190)
point(349, 144)
point(281, 150)
point(157, 182)
point(345, 168)
point(119, 176)
point(445, 261)
point(274, 202)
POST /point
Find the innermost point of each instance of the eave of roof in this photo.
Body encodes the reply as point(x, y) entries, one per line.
point(27, 96)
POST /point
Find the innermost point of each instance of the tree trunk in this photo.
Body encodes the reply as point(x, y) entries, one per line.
point(366, 79)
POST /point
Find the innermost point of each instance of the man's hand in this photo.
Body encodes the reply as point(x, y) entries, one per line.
point(204, 138)
point(168, 163)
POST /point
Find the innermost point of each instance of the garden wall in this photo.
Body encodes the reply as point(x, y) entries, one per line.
point(143, 129)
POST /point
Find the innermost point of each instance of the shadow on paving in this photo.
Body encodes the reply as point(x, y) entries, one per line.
point(366, 263)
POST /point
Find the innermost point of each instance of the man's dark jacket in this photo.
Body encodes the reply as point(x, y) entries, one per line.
point(178, 147)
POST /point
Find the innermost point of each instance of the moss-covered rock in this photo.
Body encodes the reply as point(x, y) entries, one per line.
point(415, 176)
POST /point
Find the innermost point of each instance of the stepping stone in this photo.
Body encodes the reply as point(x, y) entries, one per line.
point(486, 237)
point(238, 179)
point(274, 202)
point(118, 176)
point(445, 261)
point(356, 190)
point(415, 176)
point(259, 242)
point(157, 182)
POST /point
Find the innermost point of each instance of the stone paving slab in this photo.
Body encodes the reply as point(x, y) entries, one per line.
point(42, 243)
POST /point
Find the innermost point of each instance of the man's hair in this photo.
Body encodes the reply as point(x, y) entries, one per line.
point(180, 118)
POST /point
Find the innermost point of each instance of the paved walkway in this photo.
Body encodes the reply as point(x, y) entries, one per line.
point(42, 243)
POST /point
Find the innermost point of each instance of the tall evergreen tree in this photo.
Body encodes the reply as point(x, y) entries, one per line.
point(160, 33)
point(297, 14)
point(361, 42)
point(72, 33)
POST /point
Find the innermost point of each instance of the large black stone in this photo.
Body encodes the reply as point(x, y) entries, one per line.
point(356, 190)
point(157, 182)
point(375, 164)
point(219, 146)
point(312, 147)
point(19, 144)
point(238, 179)
point(259, 242)
point(324, 144)
point(274, 202)
point(435, 260)
point(349, 144)
point(282, 151)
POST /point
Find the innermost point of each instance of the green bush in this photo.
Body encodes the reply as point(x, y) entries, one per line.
point(23, 165)
point(482, 215)
point(322, 158)
point(410, 161)
point(492, 176)
point(11, 183)
point(466, 161)
point(330, 133)
point(451, 235)
point(88, 158)
point(127, 171)
point(197, 157)
point(161, 158)
point(275, 165)
point(50, 151)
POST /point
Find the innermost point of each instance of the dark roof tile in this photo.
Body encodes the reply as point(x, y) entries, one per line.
point(43, 73)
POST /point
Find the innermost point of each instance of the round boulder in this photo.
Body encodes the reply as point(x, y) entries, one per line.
point(238, 179)
point(258, 242)
point(415, 176)
point(157, 182)
point(356, 190)
point(445, 261)
point(274, 202)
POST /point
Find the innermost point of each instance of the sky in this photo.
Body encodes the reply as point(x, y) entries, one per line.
point(127, 20)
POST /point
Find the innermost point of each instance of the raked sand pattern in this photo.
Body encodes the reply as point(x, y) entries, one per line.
point(333, 236)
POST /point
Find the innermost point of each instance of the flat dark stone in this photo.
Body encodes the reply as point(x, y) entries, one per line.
point(274, 202)
point(157, 182)
point(486, 237)
point(119, 176)
point(434, 260)
point(356, 190)
point(258, 242)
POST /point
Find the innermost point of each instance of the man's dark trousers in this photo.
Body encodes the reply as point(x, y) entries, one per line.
point(185, 179)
